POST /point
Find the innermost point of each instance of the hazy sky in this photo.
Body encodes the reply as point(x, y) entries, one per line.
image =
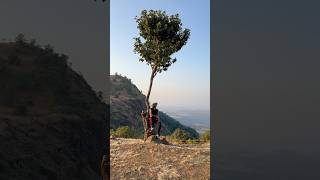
point(187, 82)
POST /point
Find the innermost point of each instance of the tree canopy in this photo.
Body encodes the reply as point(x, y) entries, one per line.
point(161, 36)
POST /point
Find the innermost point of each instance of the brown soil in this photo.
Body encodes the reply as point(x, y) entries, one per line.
point(134, 159)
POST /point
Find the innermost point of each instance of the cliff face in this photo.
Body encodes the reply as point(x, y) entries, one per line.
point(126, 104)
point(52, 124)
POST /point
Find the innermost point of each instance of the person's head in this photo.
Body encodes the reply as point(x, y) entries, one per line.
point(154, 105)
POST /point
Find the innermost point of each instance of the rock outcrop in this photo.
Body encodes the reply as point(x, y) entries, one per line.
point(52, 124)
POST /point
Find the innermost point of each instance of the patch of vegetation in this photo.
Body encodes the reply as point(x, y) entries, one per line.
point(126, 132)
point(180, 135)
point(205, 137)
point(183, 137)
point(192, 141)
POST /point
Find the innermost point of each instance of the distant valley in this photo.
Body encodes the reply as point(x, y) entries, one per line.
point(196, 118)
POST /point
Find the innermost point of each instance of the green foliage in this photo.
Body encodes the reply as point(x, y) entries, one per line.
point(125, 132)
point(192, 141)
point(180, 135)
point(205, 136)
point(162, 35)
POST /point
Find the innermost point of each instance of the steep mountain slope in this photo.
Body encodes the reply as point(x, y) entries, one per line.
point(52, 124)
point(126, 104)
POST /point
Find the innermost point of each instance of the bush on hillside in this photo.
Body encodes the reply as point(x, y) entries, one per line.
point(125, 132)
point(205, 136)
point(192, 141)
point(180, 135)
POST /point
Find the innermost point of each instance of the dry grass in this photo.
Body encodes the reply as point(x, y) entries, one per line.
point(134, 159)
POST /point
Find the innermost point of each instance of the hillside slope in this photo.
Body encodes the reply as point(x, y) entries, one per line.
point(134, 159)
point(126, 104)
point(52, 124)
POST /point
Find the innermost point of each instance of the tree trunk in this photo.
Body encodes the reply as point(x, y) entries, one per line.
point(145, 116)
point(149, 91)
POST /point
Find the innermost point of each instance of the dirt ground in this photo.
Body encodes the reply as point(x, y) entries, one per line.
point(134, 159)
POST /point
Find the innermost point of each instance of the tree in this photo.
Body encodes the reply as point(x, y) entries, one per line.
point(20, 40)
point(161, 36)
point(180, 135)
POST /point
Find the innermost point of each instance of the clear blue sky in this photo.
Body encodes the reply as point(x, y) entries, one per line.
point(187, 82)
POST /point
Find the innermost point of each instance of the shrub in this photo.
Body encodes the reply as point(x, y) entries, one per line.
point(124, 132)
point(205, 136)
point(179, 135)
point(190, 141)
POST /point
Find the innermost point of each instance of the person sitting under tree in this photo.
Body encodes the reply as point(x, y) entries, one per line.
point(154, 119)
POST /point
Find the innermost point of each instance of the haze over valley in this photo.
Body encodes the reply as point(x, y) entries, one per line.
point(199, 119)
